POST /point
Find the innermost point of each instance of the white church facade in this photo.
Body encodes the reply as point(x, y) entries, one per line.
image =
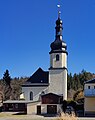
point(45, 90)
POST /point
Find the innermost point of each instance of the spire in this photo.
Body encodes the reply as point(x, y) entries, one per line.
point(59, 27)
point(58, 45)
point(59, 12)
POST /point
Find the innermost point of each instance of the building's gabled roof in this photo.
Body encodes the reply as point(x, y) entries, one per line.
point(90, 81)
point(39, 78)
point(52, 94)
point(51, 98)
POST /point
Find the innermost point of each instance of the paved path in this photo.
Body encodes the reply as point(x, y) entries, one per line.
point(11, 116)
point(28, 118)
point(39, 118)
point(86, 118)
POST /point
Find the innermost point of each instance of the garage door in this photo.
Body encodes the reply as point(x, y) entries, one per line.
point(51, 109)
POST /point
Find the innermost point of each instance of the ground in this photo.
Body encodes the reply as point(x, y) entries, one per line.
point(14, 116)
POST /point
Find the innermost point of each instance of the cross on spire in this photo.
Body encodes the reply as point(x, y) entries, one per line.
point(59, 12)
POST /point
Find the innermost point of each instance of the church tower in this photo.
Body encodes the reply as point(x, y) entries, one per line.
point(58, 62)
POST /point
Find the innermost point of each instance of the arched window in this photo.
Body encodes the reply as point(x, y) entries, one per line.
point(57, 57)
point(31, 95)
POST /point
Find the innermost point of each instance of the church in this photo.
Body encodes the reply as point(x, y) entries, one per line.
point(44, 91)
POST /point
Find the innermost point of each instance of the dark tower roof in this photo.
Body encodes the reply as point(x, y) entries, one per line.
point(58, 45)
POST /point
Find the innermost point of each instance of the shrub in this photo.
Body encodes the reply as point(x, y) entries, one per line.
point(67, 117)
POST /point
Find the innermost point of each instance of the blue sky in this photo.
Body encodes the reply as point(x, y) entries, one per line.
point(27, 27)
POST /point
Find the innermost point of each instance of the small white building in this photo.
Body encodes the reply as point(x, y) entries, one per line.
point(89, 98)
point(49, 104)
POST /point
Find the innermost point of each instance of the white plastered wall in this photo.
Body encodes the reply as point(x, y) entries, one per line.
point(90, 84)
point(89, 104)
point(36, 92)
point(32, 108)
point(58, 82)
point(58, 64)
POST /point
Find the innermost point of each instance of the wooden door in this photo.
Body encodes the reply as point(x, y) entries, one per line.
point(38, 109)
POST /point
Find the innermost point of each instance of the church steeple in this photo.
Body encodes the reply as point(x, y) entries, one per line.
point(58, 62)
point(58, 44)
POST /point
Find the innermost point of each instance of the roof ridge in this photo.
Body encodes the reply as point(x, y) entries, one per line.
point(90, 80)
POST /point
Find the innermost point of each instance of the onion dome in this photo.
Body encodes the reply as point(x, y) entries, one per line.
point(58, 45)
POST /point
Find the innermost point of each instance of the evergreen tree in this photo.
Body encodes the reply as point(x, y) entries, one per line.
point(7, 78)
point(84, 76)
point(69, 82)
point(6, 85)
point(77, 83)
